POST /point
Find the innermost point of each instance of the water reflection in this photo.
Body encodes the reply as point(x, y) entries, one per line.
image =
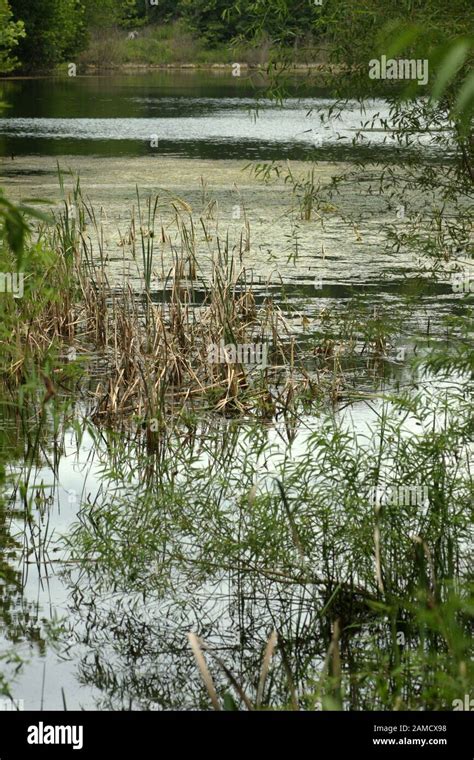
point(212, 118)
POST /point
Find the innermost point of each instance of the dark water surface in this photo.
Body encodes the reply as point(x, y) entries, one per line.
point(192, 115)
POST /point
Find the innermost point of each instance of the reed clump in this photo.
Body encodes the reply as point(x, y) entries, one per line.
point(183, 331)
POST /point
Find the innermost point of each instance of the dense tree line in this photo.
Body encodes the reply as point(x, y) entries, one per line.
point(42, 33)
point(46, 32)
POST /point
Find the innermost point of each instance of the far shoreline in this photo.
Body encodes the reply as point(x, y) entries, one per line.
point(215, 68)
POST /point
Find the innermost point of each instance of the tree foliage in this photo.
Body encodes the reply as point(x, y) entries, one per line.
point(55, 29)
point(11, 32)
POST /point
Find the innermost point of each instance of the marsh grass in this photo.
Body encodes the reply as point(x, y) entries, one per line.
point(155, 336)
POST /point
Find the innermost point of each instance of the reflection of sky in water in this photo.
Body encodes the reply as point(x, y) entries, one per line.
point(76, 473)
point(227, 120)
point(79, 472)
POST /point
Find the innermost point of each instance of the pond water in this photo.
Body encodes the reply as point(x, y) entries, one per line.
point(193, 116)
point(190, 136)
point(100, 128)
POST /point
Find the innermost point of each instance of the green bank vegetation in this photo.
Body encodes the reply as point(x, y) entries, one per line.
point(38, 36)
